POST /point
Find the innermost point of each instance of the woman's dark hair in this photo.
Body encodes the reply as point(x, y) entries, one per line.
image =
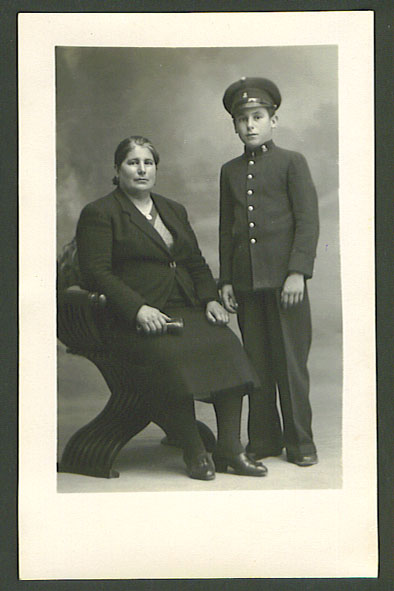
point(128, 144)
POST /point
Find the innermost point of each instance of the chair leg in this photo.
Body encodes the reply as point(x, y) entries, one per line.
point(93, 448)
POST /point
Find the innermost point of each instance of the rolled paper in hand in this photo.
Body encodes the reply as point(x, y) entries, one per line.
point(175, 325)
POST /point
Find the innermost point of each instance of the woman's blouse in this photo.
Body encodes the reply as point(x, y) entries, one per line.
point(177, 297)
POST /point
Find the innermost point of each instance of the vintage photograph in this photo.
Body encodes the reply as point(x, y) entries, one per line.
point(199, 184)
point(197, 353)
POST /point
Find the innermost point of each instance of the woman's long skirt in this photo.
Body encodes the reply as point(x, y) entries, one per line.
point(203, 361)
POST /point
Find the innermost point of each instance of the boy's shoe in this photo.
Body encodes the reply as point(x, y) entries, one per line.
point(303, 460)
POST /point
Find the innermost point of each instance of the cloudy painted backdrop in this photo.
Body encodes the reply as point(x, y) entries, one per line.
point(174, 97)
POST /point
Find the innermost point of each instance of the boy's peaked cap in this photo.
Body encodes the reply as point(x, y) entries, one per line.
point(251, 92)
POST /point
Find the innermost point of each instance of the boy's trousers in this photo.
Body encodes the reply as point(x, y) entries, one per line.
point(278, 342)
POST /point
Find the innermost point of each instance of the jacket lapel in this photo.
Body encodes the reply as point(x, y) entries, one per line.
point(173, 222)
point(139, 220)
point(167, 214)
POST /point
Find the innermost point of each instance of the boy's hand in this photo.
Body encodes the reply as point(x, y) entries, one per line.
point(228, 297)
point(216, 313)
point(293, 290)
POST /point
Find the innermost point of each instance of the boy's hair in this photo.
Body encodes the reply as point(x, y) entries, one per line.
point(271, 111)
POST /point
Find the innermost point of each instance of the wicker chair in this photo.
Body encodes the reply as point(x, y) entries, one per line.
point(93, 448)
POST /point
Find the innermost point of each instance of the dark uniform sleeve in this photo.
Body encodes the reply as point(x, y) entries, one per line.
point(204, 283)
point(226, 221)
point(303, 198)
point(94, 241)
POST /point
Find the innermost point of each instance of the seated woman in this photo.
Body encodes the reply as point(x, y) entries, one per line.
point(138, 249)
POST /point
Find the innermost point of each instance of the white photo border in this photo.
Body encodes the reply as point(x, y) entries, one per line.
point(326, 533)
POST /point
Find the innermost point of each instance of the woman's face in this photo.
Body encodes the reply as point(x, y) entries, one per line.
point(137, 173)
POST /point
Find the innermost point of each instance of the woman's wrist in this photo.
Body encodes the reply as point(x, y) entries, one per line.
point(216, 300)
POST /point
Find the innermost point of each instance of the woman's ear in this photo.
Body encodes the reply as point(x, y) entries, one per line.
point(115, 179)
point(274, 121)
point(235, 126)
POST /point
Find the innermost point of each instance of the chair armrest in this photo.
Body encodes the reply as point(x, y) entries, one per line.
point(79, 296)
point(78, 313)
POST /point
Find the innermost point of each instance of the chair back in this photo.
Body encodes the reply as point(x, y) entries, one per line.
point(78, 310)
point(68, 272)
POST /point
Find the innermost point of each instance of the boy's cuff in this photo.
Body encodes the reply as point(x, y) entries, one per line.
point(299, 264)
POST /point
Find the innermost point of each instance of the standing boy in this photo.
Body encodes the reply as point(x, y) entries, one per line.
point(268, 235)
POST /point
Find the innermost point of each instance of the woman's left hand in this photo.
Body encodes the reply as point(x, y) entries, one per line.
point(216, 314)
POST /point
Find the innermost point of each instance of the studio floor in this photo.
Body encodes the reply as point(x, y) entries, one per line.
point(146, 465)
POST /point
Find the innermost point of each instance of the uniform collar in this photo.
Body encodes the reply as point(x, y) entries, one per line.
point(266, 147)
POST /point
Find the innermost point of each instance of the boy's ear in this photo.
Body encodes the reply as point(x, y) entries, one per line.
point(274, 121)
point(235, 126)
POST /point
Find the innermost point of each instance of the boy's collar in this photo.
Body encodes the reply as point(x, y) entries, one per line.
point(266, 147)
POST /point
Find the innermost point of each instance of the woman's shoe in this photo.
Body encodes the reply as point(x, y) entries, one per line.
point(240, 463)
point(200, 466)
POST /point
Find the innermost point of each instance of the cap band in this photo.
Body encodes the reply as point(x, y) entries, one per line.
point(251, 97)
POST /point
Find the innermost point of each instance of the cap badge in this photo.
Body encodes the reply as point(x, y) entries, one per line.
point(245, 95)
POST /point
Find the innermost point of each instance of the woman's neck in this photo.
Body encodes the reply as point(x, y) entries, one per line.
point(142, 197)
point(143, 204)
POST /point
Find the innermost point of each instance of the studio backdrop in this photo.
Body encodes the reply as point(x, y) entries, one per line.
point(173, 96)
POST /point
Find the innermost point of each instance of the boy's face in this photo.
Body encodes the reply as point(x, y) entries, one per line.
point(254, 126)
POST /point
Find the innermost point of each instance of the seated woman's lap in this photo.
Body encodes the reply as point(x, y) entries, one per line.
point(202, 360)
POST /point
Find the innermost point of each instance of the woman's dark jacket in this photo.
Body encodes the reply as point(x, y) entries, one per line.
point(122, 255)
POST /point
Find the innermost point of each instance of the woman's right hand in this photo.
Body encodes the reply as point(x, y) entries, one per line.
point(229, 300)
point(151, 320)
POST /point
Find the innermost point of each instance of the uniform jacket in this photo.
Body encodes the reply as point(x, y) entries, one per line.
point(269, 222)
point(122, 255)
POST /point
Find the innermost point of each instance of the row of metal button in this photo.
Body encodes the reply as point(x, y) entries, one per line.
point(250, 192)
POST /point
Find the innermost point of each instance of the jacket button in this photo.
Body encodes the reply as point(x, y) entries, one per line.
point(251, 224)
point(172, 264)
point(253, 241)
point(250, 176)
point(250, 192)
point(250, 207)
point(251, 162)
